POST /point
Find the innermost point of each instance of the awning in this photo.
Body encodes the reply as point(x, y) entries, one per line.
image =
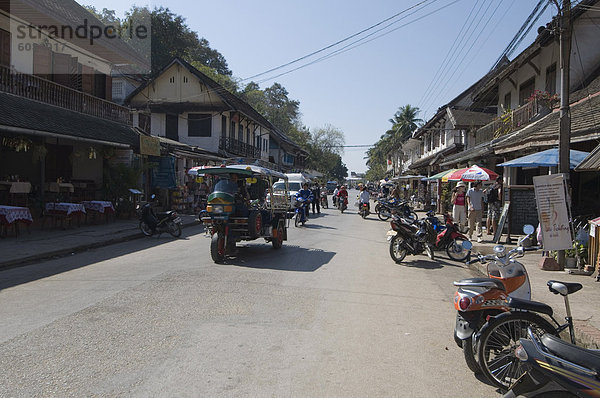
point(546, 158)
point(591, 162)
point(409, 177)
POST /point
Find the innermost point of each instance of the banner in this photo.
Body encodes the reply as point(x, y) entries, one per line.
point(553, 212)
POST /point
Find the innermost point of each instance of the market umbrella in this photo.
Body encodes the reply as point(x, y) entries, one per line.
point(546, 158)
point(441, 175)
point(197, 171)
point(473, 173)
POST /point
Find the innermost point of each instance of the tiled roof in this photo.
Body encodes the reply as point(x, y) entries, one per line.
point(27, 114)
point(461, 118)
point(591, 162)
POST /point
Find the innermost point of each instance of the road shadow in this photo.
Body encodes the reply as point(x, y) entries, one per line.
point(317, 226)
point(288, 258)
point(424, 262)
point(24, 273)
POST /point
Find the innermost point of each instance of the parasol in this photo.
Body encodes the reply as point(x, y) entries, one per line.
point(473, 173)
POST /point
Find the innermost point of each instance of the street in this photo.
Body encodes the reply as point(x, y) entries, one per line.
point(330, 314)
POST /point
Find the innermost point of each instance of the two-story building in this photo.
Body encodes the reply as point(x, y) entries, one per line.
point(57, 121)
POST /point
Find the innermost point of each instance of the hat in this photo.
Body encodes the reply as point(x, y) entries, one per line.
point(461, 184)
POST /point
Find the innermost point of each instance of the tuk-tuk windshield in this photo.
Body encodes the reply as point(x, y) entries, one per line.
point(226, 185)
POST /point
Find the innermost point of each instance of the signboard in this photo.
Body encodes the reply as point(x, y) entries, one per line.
point(503, 217)
point(553, 212)
point(122, 156)
point(149, 145)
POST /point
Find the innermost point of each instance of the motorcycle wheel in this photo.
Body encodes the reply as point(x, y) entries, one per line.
point(397, 252)
point(297, 220)
point(455, 251)
point(217, 248)
point(146, 230)
point(383, 214)
point(429, 251)
point(497, 343)
point(469, 352)
point(174, 229)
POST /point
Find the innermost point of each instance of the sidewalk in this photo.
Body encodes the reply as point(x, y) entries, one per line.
point(585, 307)
point(43, 244)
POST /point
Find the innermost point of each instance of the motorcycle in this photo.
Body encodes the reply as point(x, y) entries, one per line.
point(151, 223)
point(395, 206)
point(554, 366)
point(408, 237)
point(478, 298)
point(448, 237)
point(301, 210)
point(363, 209)
point(342, 203)
point(324, 203)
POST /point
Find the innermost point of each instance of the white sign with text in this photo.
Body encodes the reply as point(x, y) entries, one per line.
point(553, 212)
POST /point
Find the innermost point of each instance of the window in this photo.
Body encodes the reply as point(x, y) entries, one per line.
point(232, 129)
point(117, 90)
point(551, 79)
point(4, 47)
point(240, 132)
point(526, 90)
point(223, 126)
point(145, 122)
point(507, 101)
point(199, 124)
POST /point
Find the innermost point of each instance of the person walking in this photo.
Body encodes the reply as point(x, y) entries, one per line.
point(494, 202)
point(316, 191)
point(459, 210)
point(475, 207)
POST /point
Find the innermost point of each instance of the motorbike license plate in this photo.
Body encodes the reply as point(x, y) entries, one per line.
point(177, 220)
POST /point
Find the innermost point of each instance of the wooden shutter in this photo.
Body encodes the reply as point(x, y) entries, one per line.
point(108, 89)
point(42, 61)
point(61, 69)
point(4, 47)
point(87, 79)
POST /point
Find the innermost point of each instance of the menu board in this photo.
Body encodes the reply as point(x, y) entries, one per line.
point(553, 212)
point(503, 217)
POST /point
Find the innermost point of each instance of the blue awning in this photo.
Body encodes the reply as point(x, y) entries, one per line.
point(547, 158)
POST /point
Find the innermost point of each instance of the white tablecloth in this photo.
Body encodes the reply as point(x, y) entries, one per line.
point(68, 208)
point(98, 205)
point(12, 214)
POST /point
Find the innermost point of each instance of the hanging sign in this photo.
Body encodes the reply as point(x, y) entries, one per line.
point(149, 145)
point(553, 212)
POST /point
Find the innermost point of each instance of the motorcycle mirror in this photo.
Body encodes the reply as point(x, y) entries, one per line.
point(528, 229)
point(153, 197)
point(467, 245)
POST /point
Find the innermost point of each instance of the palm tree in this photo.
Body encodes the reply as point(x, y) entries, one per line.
point(404, 122)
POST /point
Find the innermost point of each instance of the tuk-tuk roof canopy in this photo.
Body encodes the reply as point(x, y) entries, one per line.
point(244, 169)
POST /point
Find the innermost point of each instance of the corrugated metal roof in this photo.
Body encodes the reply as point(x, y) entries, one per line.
point(591, 162)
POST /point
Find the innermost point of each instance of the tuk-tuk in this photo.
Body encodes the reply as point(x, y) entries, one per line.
point(244, 206)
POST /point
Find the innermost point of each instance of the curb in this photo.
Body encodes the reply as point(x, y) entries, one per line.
point(77, 249)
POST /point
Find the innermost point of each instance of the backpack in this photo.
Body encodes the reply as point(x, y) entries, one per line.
point(491, 196)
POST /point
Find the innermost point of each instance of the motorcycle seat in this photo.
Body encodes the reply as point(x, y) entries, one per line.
point(534, 306)
point(572, 353)
point(164, 214)
point(491, 282)
point(558, 287)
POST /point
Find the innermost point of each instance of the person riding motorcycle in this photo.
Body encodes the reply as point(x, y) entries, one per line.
point(342, 195)
point(307, 195)
point(364, 197)
point(334, 197)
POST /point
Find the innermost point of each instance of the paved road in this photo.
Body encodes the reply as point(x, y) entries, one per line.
point(328, 315)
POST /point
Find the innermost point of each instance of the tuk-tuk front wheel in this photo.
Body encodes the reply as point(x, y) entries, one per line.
point(217, 248)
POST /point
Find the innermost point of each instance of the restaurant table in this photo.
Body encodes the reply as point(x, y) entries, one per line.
point(97, 207)
point(17, 186)
point(65, 211)
point(11, 216)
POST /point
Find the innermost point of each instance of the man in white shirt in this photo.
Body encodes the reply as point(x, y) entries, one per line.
point(334, 197)
point(364, 197)
point(475, 207)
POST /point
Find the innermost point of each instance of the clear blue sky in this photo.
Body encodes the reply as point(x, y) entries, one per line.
point(359, 90)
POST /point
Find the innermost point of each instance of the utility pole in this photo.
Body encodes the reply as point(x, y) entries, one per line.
point(565, 118)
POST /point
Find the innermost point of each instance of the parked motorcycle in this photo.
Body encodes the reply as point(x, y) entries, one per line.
point(501, 335)
point(408, 237)
point(478, 298)
point(151, 223)
point(395, 206)
point(554, 366)
point(324, 203)
point(448, 237)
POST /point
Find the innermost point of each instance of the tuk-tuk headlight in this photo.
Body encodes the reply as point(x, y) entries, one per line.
point(217, 209)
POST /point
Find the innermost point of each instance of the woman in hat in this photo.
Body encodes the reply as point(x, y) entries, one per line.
point(459, 209)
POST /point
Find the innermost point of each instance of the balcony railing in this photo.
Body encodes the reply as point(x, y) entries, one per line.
point(239, 148)
point(42, 90)
point(508, 122)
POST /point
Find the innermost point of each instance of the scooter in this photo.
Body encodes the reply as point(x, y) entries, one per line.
point(342, 203)
point(301, 210)
point(151, 223)
point(479, 298)
point(324, 203)
point(448, 237)
point(409, 237)
point(363, 209)
point(556, 366)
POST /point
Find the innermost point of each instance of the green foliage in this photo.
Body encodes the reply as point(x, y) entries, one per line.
point(117, 180)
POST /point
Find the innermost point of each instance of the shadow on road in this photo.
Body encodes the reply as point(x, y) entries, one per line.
point(288, 258)
point(424, 262)
point(22, 274)
point(317, 226)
